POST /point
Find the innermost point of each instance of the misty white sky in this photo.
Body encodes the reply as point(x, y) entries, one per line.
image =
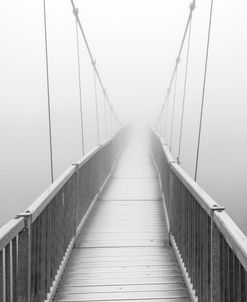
point(135, 44)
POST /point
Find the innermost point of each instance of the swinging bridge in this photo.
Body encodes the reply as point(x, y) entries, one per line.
point(126, 222)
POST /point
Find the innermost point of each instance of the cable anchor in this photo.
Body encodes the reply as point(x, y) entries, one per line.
point(94, 64)
point(192, 5)
point(76, 11)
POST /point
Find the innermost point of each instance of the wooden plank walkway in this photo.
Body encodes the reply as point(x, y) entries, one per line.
point(123, 252)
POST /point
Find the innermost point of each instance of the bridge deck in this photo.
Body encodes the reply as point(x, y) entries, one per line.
point(122, 253)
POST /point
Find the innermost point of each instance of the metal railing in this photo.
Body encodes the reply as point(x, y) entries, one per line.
point(211, 248)
point(35, 245)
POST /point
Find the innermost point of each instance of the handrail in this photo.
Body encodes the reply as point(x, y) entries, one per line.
point(10, 230)
point(233, 235)
point(45, 198)
point(206, 202)
point(212, 247)
point(93, 151)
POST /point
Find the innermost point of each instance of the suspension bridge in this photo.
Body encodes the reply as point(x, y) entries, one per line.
point(126, 222)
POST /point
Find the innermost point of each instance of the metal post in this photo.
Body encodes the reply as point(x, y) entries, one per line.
point(215, 258)
point(76, 200)
point(24, 259)
point(170, 200)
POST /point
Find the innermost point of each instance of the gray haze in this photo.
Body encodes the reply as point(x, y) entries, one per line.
point(135, 44)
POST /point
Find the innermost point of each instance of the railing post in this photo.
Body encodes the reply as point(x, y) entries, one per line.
point(215, 258)
point(24, 259)
point(170, 195)
point(76, 199)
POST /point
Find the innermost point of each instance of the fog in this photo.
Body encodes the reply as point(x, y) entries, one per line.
point(135, 44)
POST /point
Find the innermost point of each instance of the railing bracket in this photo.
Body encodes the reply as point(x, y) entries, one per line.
point(216, 208)
point(27, 218)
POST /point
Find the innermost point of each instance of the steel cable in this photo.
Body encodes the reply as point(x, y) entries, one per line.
point(75, 12)
point(192, 7)
point(184, 93)
point(203, 90)
point(105, 114)
point(48, 92)
point(173, 107)
point(166, 118)
point(80, 91)
point(96, 107)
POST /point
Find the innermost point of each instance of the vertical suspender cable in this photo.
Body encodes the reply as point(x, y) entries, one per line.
point(80, 94)
point(166, 116)
point(173, 107)
point(112, 131)
point(184, 93)
point(96, 104)
point(48, 93)
point(203, 90)
point(161, 127)
point(105, 113)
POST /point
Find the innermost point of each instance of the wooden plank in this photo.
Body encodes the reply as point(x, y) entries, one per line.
point(123, 236)
point(127, 281)
point(119, 242)
point(118, 258)
point(123, 288)
point(124, 251)
point(123, 263)
point(172, 294)
point(134, 268)
point(71, 276)
point(135, 300)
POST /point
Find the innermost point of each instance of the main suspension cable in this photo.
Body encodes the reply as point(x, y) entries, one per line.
point(48, 93)
point(192, 7)
point(75, 11)
point(184, 93)
point(80, 91)
point(203, 90)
